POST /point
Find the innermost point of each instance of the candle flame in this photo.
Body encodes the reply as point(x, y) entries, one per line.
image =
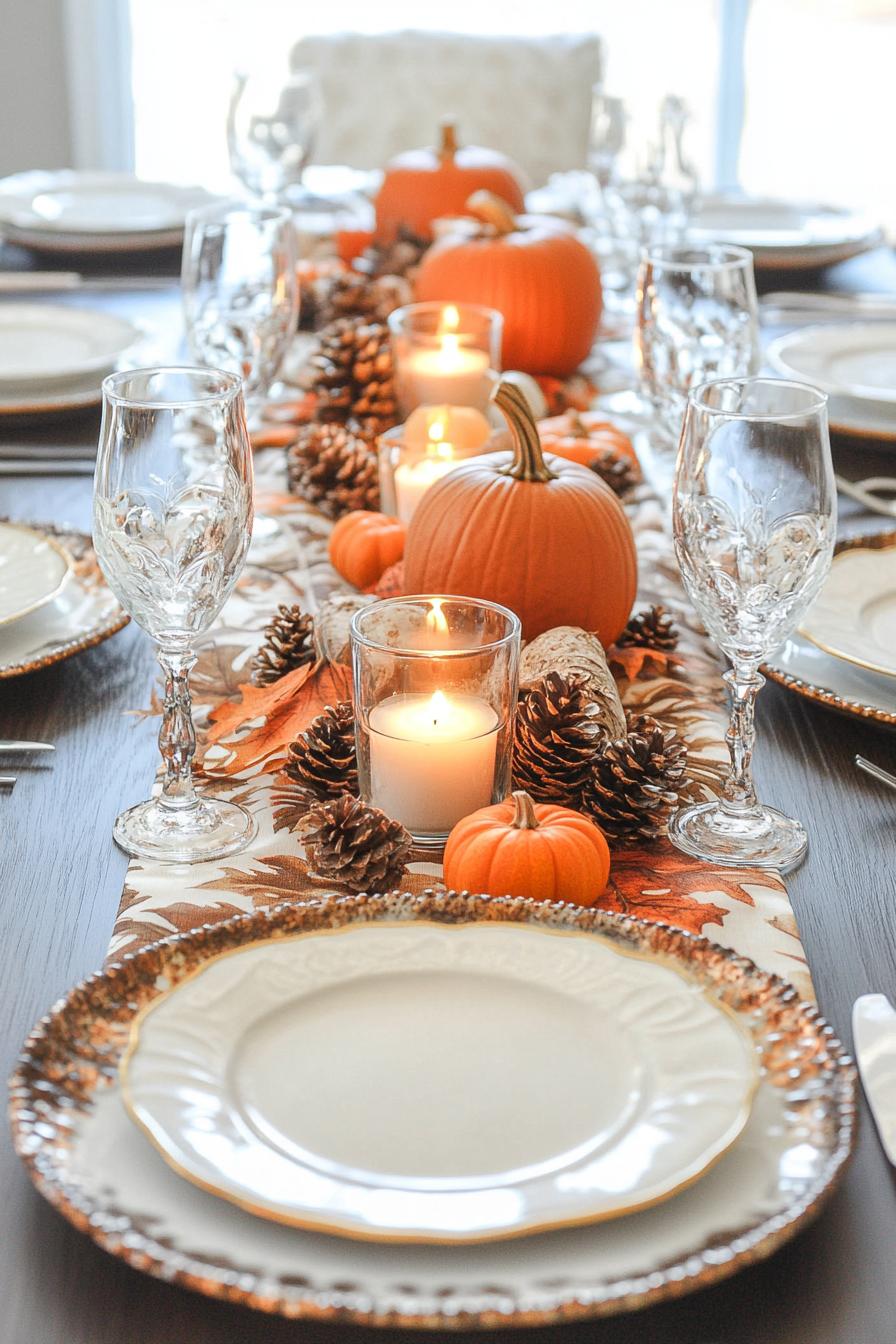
point(436, 621)
point(436, 446)
point(450, 319)
point(438, 707)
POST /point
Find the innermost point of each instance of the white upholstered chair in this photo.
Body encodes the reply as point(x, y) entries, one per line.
point(527, 96)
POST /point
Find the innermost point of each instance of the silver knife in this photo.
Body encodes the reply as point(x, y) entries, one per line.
point(26, 746)
point(874, 1038)
point(55, 282)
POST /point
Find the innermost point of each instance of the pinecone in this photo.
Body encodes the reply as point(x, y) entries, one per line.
point(400, 257)
point(652, 628)
point(335, 468)
point(558, 732)
point(352, 375)
point(357, 846)
point(635, 781)
point(618, 471)
point(288, 644)
point(353, 294)
point(322, 760)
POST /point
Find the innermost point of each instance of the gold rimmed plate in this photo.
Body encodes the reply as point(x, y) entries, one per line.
point(434, 1083)
point(87, 1157)
point(854, 615)
point(33, 569)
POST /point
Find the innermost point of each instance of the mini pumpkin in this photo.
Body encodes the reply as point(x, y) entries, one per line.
point(581, 436)
point(534, 270)
point(426, 184)
point(364, 544)
point(522, 848)
point(541, 535)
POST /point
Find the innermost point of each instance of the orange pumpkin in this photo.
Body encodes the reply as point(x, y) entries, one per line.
point(521, 848)
point(363, 545)
point(535, 271)
point(426, 184)
point(581, 436)
point(541, 535)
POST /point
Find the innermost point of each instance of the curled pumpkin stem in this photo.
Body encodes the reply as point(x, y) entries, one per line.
point(528, 459)
point(524, 818)
point(488, 207)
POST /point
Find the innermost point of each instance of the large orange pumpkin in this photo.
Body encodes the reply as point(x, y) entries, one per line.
point(364, 544)
point(541, 535)
point(581, 436)
point(535, 271)
point(521, 848)
point(426, 184)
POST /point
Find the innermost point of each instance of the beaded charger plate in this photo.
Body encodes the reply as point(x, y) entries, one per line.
point(85, 1156)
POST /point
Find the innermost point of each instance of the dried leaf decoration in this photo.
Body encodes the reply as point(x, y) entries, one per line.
point(666, 886)
point(631, 660)
point(286, 708)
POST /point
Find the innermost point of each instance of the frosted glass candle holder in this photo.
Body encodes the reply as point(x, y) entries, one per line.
point(435, 693)
point(417, 454)
point(445, 354)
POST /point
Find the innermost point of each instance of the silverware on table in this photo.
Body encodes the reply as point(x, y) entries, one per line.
point(874, 1042)
point(55, 452)
point(8, 781)
point(67, 466)
point(25, 746)
point(876, 771)
point(788, 306)
point(54, 282)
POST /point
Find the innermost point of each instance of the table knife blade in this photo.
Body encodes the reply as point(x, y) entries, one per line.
point(874, 1038)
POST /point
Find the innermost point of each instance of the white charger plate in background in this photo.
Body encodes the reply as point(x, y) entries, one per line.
point(854, 363)
point(785, 235)
point(854, 615)
point(43, 346)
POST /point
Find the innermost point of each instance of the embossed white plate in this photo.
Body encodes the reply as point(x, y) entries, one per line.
point(785, 234)
point(33, 568)
point(43, 345)
point(429, 1083)
point(854, 363)
point(854, 615)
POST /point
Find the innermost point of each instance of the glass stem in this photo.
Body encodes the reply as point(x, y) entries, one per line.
point(177, 736)
point(739, 794)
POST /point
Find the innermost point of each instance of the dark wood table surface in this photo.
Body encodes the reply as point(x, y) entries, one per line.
point(61, 877)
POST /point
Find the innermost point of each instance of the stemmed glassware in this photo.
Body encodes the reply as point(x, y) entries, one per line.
point(697, 319)
point(172, 520)
point(240, 291)
point(754, 517)
point(271, 129)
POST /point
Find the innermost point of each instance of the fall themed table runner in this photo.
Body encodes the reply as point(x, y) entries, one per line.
point(745, 909)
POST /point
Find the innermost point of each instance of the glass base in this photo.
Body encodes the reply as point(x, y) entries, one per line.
point(763, 839)
point(210, 830)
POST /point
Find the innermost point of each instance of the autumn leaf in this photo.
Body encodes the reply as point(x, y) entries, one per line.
point(183, 915)
point(214, 677)
point(666, 907)
point(286, 707)
point(662, 883)
point(279, 876)
point(632, 660)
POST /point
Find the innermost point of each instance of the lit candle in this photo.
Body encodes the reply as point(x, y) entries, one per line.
point(413, 479)
point(432, 758)
point(452, 372)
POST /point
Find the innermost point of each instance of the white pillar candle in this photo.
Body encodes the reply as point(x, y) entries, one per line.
point(432, 430)
point(451, 373)
point(413, 479)
point(432, 758)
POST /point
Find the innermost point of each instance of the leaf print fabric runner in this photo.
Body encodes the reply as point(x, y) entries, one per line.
point(744, 909)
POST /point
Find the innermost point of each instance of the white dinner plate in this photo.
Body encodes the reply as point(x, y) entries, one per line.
point(854, 615)
point(540, 1081)
point(33, 569)
point(854, 363)
point(785, 234)
point(45, 345)
point(89, 211)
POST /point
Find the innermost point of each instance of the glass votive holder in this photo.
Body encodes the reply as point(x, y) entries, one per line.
point(435, 692)
point(433, 441)
point(445, 354)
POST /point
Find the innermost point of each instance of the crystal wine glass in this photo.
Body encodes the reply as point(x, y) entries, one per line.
point(240, 291)
point(754, 516)
point(172, 518)
point(697, 319)
point(271, 129)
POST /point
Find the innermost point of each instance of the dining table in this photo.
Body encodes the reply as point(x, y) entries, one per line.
point(61, 877)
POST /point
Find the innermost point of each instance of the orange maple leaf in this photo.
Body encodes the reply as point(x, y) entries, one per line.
point(664, 884)
point(286, 708)
point(631, 660)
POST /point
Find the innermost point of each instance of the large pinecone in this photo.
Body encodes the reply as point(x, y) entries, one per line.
point(652, 628)
point(322, 760)
point(353, 294)
point(288, 644)
point(335, 468)
point(355, 845)
point(352, 375)
point(636, 780)
point(400, 257)
point(558, 731)
point(618, 471)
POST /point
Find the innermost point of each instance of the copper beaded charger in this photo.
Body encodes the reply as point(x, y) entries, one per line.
point(85, 1157)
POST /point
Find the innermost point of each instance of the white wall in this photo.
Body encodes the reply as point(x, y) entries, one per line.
point(34, 101)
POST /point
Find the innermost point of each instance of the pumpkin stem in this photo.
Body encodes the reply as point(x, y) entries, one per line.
point(492, 210)
point(448, 145)
point(524, 818)
point(528, 459)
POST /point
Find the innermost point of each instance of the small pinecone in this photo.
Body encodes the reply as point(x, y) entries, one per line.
point(617, 470)
point(635, 782)
point(353, 294)
point(352, 375)
point(355, 845)
point(322, 760)
point(557, 734)
point(288, 644)
point(652, 628)
point(401, 257)
point(335, 468)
